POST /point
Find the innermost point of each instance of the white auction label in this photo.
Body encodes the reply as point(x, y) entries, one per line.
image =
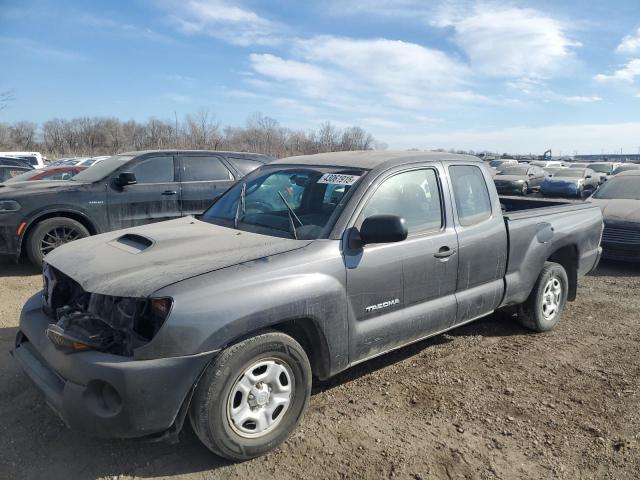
point(338, 179)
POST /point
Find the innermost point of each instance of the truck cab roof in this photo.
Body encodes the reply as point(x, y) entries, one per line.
point(370, 159)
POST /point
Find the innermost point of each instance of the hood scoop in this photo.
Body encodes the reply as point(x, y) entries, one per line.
point(132, 243)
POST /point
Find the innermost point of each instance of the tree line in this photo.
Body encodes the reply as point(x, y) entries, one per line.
point(90, 136)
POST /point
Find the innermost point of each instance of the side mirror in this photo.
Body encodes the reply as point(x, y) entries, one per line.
point(532, 174)
point(126, 178)
point(588, 176)
point(383, 229)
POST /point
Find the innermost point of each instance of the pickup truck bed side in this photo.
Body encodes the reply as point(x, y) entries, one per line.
point(568, 234)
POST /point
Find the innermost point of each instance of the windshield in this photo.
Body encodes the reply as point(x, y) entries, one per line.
point(514, 171)
point(102, 169)
point(570, 173)
point(577, 165)
point(626, 188)
point(290, 202)
point(601, 167)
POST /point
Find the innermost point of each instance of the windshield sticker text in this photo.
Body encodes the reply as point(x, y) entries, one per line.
point(338, 179)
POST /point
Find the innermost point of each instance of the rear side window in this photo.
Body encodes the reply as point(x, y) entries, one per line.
point(471, 194)
point(154, 170)
point(198, 169)
point(245, 166)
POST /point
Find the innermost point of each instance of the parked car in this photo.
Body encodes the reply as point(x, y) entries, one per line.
point(15, 162)
point(501, 162)
point(571, 182)
point(223, 319)
point(625, 167)
point(32, 158)
point(49, 173)
point(603, 169)
point(578, 165)
point(548, 163)
point(551, 171)
point(87, 162)
point(122, 191)
point(8, 171)
point(520, 179)
point(619, 199)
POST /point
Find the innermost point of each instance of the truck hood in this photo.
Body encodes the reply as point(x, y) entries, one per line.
point(619, 210)
point(137, 261)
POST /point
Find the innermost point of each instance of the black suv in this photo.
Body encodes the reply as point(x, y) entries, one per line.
point(122, 191)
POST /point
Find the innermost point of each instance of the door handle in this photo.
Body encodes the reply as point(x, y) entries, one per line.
point(444, 252)
point(169, 192)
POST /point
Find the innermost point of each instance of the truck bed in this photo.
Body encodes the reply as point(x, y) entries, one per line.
point(567, 232)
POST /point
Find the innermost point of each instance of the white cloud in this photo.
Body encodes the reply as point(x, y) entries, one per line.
point(630, 43)
point(582, 99)
point(369, 74)
point(625, 74)
point(221, 19)
point(509, 41)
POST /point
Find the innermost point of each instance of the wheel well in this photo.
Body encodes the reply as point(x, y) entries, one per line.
point(568, 258)
point(72, 215)
point(307, 333)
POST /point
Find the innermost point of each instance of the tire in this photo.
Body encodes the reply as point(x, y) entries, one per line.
point(543, 309)
point(524, 190)
point(51, 233)
point(223, 391)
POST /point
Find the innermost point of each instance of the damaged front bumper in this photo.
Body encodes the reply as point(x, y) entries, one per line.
point(100, 393)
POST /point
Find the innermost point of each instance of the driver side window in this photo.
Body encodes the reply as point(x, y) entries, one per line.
point(413, 195)
point(154, 170)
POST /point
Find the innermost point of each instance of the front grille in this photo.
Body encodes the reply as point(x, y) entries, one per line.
point(620, 235)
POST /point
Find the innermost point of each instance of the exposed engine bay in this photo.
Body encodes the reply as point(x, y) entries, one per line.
point(90, 321)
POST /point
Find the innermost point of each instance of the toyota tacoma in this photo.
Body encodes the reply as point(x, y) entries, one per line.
point(305, 267)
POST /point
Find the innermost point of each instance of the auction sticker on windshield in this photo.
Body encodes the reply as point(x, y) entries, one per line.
point(338, 179)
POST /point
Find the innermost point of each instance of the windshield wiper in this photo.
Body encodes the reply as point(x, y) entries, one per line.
point(241, 202)
point(292, 215)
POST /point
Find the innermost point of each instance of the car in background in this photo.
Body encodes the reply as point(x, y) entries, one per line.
point(619, 200)
point(578, 165)
point(548, 163)
point(32, 158)
point(122, 191)
point(87, 162)
point(495, 164)
point(551, 171)
point(16, 162)
point(8, 171)
point(571, 182)
point(625, 167)
point(604, 169)
point(49, 173)
point(520, 179)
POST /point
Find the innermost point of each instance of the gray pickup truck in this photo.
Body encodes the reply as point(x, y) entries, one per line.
point(305, 267)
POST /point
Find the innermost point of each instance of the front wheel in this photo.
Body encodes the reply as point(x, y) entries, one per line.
point(252, 396)
point(543, 309)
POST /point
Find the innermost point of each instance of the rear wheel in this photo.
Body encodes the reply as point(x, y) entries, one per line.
point(252, 396)
point(50, 234)
point(543, 309)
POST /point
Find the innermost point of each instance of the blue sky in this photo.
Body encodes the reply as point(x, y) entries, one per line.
point(519, 76)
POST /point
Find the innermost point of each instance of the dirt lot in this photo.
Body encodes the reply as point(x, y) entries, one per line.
point(489, 400)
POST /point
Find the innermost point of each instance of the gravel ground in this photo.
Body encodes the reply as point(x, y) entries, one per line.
point(488, 400)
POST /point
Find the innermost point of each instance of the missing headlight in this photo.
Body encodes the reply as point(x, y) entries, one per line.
point(115, 325)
